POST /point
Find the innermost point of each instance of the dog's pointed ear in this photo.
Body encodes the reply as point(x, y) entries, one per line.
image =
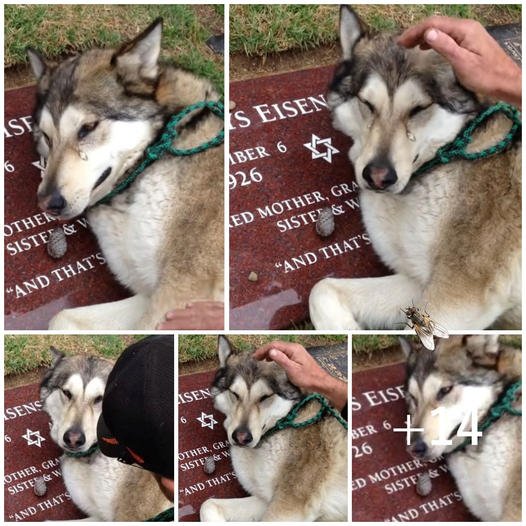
point(407, 345)
point(37, 63)
point(352, 30)
point(56, 356)
point(141, 55)
point(224, 350)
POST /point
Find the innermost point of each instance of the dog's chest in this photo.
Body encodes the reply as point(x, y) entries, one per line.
point(83, 482)
point(258, 469)
point(485, 477)
point(404, 229)
point(132, 232)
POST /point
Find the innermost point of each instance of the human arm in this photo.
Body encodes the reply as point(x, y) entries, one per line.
point(199, 315)
point(479, 62)
point(303, 371)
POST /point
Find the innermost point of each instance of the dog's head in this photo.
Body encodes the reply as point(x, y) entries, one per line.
point(252, 394)
point(95, 115)
point(398, 105)
point(71, 394)
point(463, 376)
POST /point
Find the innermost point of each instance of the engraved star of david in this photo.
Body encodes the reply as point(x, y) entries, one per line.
point(327, 149)
point(207, 420)
point(33, 438)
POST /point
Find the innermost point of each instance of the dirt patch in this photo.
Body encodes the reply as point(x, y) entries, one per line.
point(373, 359)
point(18, 77)
point(243, 67)
point(197, 367)
point(16, 380)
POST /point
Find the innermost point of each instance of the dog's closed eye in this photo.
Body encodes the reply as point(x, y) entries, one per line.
point(67, 394)
point(86, 129)
point(442, 392)
point(265, 397)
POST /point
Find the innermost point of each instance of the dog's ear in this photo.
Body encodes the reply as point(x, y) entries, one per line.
point(352, 30)
point(37, 63)
point(448, 92)
point(407, 345)
point(56, 356)
point(224, 350)
point(140, 56)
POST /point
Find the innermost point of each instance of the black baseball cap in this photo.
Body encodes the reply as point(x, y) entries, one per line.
point(137, 421)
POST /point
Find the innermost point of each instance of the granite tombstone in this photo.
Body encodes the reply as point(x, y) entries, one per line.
point(384, 474)
point(29, 452)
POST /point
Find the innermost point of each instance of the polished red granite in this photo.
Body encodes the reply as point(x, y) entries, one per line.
point(29, 452)
point(37, 286)
point(201, 434)
point(384, 474)
point(286, 163)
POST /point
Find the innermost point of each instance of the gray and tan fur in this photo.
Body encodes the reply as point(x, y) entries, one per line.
point(291, 475)
point(465, 374)
point(102, 487)
point(162, 237)
point(451, 235)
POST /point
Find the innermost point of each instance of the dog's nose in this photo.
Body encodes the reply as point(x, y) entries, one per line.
point(379, 175)
point(54, 204)
point(74, 438)
point(242, 436)
point(419, 448)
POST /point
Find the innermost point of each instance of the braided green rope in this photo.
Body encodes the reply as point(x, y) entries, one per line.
point(457, 148)
point(289, 419)
point(87, 453)
point(164, 145)
point(499, 408)
point(164, 516)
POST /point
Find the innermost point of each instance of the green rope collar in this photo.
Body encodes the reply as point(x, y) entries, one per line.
point(87, 453)
point(499, 408)
point(164, 145)
point(164, 516)
point(457, 148)
point(288, 420)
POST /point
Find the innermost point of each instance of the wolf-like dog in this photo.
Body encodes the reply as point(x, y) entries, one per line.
point(292, 474)
point(469, 374)
point(102, 487)
point(162, 236)
point(452, 235)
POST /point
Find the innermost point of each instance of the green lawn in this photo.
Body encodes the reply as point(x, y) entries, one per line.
point(58, 30)
point(260, 29)
point(23, 353)
point(376, 343)
point(203, 347)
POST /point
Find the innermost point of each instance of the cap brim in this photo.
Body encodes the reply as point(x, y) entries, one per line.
point(108, 444)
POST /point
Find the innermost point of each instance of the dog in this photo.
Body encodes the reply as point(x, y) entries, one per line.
point(452, 235)
point(102, 487)
point(292, 474)
point(465, 375)
point(162, 236)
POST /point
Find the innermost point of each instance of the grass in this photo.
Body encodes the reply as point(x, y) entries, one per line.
point(23, 353)
point(58, 30)
point(204, 347)
point(257, 29)
point(369, 344)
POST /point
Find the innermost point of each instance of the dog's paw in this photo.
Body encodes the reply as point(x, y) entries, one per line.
point(67, 320)
point(327, 310)
point(211, 511)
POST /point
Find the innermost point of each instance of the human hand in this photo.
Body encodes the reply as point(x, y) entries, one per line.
point(303, 370)
point(199, 315)
point(479, 62)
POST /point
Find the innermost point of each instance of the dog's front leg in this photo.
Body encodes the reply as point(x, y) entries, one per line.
point(345, 304)
point(238, 510)
point(115, 315)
